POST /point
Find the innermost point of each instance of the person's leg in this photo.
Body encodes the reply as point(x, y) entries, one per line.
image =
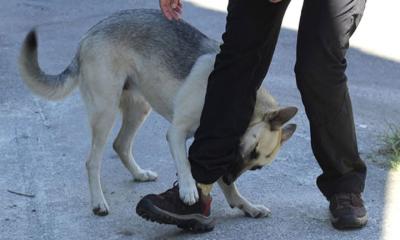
point(323, 39)
point(248, 44)
point(249, 41)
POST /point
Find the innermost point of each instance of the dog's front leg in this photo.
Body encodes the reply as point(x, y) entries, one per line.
point(187, 185)
point(234, 199)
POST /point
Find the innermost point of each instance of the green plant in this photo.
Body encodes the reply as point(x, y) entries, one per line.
point(392, 146)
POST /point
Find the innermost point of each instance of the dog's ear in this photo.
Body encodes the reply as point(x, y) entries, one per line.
point(287, 132)
point(279, 117)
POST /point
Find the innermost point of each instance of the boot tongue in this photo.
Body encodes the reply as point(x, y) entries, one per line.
point(206, 204)
point(205, 197)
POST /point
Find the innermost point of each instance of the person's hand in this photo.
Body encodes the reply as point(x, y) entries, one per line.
point(172, 9)
point(275, 1)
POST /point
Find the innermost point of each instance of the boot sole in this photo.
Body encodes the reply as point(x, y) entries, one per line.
point(196, 223)
point(349, 222)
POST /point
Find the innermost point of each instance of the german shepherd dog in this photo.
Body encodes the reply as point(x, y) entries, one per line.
point(135, 61)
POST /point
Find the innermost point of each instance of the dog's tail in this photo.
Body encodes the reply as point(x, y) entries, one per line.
point(52, 87)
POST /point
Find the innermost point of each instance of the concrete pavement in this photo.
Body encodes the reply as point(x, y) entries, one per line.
point(43, 145)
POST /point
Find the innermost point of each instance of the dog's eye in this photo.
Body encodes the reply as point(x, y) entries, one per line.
point(257, 167)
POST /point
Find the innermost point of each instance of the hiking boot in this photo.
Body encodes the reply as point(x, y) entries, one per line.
point(168, 208)
point(347, 211)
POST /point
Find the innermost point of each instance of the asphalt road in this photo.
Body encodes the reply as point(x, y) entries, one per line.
point(43, 145)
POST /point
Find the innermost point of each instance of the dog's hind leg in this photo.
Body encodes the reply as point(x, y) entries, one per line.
point(235, 199)
point(101, 96)
point(101, 122)
point(134, 111)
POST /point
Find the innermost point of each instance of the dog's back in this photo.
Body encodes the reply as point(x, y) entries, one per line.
point(175, 44)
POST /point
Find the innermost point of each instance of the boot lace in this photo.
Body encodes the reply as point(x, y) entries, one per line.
point(347, 200)
point(172, 192)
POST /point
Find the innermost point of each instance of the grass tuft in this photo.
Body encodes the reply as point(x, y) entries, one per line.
point(391, 146)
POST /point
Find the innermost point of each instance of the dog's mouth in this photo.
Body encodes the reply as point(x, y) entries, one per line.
point(233, 173)
point(229, 178)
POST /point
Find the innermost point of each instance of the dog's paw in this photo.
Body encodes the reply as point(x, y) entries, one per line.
point(145, 176)
point(101, 209)
point(255, 211)
point(188, 191)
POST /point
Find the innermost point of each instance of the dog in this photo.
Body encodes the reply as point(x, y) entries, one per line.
point(135, 61)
